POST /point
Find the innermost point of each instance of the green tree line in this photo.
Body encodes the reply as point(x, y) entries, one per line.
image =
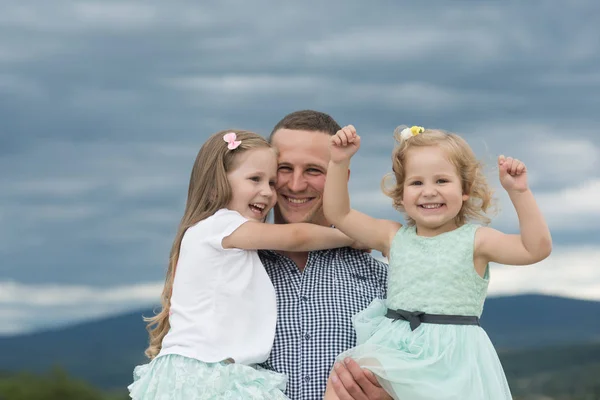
point(54, 385)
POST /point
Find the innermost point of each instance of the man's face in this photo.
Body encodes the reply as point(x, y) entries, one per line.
point(302, 166)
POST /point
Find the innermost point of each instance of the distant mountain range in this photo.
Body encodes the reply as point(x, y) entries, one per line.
point(540, 321)
point(105, 351)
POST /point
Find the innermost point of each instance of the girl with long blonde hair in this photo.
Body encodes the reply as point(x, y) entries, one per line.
point(218, 305)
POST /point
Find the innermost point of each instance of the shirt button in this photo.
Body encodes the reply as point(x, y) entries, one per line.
point(307, 336)
point(304, 299)
point(307, 379)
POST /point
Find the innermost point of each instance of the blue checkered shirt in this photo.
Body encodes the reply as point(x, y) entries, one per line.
point(314, 310)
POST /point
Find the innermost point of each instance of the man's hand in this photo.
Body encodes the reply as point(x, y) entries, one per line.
point(351, 382)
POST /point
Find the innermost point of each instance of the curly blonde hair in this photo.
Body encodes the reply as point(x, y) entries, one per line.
point(460, 154)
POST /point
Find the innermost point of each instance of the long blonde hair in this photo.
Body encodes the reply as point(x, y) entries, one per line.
point(461, 155)
point(209, 191)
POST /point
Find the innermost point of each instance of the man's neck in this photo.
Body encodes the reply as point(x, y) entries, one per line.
point(300, 259)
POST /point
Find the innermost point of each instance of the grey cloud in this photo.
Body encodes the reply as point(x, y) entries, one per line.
point(105, 104)
point(477, 51)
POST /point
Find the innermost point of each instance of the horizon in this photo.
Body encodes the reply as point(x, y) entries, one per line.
point(66, 325)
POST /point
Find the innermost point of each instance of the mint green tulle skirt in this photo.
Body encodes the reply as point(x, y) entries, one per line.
point(432, 362)
point(174, 377)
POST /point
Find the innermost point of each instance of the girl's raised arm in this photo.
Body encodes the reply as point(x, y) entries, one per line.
point(373, 233)
point(534, 242)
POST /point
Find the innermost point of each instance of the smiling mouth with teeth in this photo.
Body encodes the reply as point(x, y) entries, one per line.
point(297, 201)
point(257, 207)
point(431, 206)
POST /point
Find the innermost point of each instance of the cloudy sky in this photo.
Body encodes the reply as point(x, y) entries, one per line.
point(104, 105)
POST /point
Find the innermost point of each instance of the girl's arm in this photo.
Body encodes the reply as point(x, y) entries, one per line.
point(253, 235)
point(374, 233)
point(534, 242)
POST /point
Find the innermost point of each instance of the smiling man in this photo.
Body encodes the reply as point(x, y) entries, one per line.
point(302, 165)
point(317, 292)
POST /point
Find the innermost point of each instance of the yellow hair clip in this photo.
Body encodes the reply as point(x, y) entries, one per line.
point(407, 133)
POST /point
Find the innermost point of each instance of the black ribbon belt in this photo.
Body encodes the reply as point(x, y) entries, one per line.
point(415, 318)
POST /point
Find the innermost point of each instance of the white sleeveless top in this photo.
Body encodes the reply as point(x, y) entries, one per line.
point(223, 304)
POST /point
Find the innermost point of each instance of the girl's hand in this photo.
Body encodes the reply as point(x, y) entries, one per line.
point(344, 144)
point(513, 174)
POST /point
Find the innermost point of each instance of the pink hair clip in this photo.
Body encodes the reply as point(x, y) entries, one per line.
point(231, 142)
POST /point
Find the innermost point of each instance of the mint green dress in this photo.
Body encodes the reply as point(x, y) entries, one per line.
point(435, 275)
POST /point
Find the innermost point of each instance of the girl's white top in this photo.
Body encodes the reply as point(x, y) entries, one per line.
point(223, 304)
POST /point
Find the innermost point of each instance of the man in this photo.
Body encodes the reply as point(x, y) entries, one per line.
point(317, 292)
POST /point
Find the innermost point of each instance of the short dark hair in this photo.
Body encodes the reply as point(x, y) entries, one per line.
point(308, 120)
